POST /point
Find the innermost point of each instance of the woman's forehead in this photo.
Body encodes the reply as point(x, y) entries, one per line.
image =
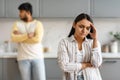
point(84, 22)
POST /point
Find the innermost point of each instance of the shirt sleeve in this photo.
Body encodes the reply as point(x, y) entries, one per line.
point(17, 38)
point(63, 59)
point(38, 34)
point(96, 58)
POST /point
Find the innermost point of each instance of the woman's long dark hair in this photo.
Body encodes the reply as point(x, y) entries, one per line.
point(79, 18)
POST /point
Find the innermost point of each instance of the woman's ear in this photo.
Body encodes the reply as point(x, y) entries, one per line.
point(74, 25)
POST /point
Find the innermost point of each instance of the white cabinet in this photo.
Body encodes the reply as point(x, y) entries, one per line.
point(10, 69)
point(1, 69)
point(2, 6)
point(64, 8)
point(110, 69)
point(53, 71)
point(105, 8)
point(12, 7)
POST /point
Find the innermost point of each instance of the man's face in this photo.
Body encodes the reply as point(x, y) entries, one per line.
point(23, 15)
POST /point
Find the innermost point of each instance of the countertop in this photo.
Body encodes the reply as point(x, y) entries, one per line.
point(111, 55)
point(14, 55)
point(49, 55)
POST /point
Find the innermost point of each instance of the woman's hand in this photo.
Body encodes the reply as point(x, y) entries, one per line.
point(86, 65)
point(94, 36)
point(94, 33)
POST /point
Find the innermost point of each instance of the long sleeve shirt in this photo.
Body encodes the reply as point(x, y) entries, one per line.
point(28, 48)
point(67, 59)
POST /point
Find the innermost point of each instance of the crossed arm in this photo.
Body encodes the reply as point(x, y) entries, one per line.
point(67, 66)
point(33, 37)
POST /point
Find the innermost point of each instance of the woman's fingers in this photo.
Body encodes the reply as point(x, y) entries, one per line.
point(93, 27)
point(86, 65)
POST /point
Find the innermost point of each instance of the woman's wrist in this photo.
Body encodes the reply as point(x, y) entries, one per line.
point(95, 43)
point(85, 65)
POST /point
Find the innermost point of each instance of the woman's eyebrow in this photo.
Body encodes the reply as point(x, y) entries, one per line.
point(81, 25)
point(84, 26)
point(88, 26)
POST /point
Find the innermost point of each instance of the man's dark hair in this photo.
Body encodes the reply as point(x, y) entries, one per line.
point(26, 6)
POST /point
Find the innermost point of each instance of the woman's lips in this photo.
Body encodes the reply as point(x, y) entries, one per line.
point(83, 34)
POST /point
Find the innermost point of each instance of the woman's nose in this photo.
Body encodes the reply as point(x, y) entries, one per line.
point(84, 30)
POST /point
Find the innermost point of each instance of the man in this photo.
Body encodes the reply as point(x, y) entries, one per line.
point(28, 33)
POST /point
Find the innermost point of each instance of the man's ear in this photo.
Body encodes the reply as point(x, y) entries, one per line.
point(28, 12)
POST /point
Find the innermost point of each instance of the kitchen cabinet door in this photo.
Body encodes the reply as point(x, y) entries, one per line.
point(53, 72)
point(64, 8)
point(54, 79)
point(110, 69)
point(10, 69)
point(2, 8)
point(105, 8)
point(1, 70)
point(12, 7)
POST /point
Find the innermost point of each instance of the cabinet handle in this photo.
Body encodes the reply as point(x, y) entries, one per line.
point(109, 61)
point(16, 61)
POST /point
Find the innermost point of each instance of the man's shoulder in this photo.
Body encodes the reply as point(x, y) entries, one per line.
point(17, 23)
point(39, 22)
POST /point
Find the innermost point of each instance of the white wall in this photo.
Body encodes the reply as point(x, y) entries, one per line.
point(58, 28)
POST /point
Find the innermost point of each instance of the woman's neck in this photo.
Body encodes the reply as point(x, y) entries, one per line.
point(79, 39)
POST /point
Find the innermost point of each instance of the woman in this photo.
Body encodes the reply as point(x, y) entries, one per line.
point(79, 55)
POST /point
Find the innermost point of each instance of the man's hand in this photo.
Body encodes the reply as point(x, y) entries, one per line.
point(30, 35)
point(16, 32)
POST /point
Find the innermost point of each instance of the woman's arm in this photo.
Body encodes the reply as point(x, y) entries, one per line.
point(96, 57)
point(65, 64)
point(63, 59)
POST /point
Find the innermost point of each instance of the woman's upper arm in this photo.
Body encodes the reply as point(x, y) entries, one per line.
point(64, 60)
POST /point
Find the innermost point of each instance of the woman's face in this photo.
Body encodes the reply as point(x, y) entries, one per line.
point(82, 28)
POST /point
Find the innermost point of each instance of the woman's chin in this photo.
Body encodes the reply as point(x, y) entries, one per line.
point(82, 36)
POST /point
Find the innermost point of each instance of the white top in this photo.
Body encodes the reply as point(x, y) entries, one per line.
point(67, 59)
point(25, 50)
point(80, 56)
point(79, 59)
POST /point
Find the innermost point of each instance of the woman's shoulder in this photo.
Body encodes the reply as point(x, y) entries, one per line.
point(90, 41)
point(65, 40)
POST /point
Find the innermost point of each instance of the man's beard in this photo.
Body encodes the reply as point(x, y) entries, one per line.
point(25, 19)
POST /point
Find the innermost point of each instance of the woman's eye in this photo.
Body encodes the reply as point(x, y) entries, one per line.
point(81, 27)
point(88, 28)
